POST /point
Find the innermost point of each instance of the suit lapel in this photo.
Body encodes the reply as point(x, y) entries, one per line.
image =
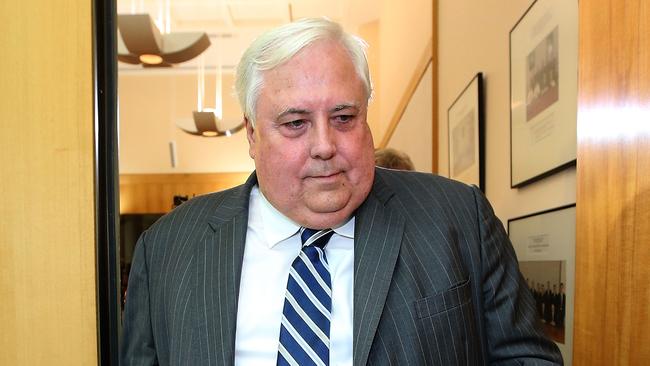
point(377, 240)
point(219, 271)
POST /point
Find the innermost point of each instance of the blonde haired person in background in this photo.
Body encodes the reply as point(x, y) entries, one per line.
point(393, 159)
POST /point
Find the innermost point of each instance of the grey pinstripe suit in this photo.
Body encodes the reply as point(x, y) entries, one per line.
point(435, 283)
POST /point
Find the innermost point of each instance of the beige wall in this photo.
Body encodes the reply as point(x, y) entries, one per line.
point(47, 244)
point(405, 33)
point(370, 33)
point(413, 132)
point(474, 37)
point(152, 103)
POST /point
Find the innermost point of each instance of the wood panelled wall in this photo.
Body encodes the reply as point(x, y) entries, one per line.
point(612, 310)
point(153, 193)
point(47, 232)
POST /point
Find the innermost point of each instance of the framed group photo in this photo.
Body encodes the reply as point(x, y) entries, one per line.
point(543, 90)
point(545, 246)
point(465, 131)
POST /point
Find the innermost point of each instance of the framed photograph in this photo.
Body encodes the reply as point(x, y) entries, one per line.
point(543, 91)
point(466, 136)
point(545, 246)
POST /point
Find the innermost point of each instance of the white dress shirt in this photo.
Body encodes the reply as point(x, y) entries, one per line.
point(272, 243)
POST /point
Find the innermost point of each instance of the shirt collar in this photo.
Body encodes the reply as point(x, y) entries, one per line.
point(277, 227)
point(346, 229)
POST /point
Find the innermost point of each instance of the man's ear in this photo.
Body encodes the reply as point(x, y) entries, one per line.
point(250, 135)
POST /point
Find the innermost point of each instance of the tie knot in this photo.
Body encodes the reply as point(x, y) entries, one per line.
point(315, 237)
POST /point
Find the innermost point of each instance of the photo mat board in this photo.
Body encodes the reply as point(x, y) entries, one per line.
point(466, 120)
point(545, 246)
point(543, 91)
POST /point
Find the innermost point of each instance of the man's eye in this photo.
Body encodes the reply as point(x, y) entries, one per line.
point(295, 125)
point(344, 118)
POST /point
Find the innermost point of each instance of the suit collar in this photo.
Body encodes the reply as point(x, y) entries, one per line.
point(221, 256)
point(234, 204)
point(378, 237)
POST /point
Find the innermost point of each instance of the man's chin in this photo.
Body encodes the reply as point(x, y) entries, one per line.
point(326, 211)
point(328, 201)
point(320, 221)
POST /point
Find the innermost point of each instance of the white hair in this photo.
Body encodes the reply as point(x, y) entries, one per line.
point(278, 45)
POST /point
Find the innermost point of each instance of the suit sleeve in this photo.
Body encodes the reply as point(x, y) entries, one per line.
point(138, 347)
point(512, 330)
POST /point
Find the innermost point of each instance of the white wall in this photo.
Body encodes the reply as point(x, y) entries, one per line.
point(473, 37)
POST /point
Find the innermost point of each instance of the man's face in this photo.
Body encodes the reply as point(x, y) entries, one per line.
point(312, 147)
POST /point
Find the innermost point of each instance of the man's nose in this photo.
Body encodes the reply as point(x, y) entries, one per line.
point(323, 143)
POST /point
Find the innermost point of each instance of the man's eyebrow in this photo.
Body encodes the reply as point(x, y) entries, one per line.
point(344, 106)
point(292, 111)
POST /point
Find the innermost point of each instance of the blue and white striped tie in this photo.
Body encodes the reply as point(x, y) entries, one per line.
point(306, 316)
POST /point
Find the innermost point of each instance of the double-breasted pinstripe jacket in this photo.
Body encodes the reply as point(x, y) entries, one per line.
point(436, 281)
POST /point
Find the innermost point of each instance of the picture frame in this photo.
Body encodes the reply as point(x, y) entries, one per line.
point(543, 91)
point(465, 133)
point(545, 246)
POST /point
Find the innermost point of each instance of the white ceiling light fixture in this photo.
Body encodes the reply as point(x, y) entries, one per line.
point(140, 42)
point(207, 120)
point(207, 125)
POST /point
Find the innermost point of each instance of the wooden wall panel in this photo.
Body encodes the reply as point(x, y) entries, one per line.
point(47, 241)
point(612, 311)
point(153, 193)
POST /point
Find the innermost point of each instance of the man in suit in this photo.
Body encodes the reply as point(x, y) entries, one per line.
point(406, 268)
point(539, 301)
point(561, 307)
point(548, 303)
